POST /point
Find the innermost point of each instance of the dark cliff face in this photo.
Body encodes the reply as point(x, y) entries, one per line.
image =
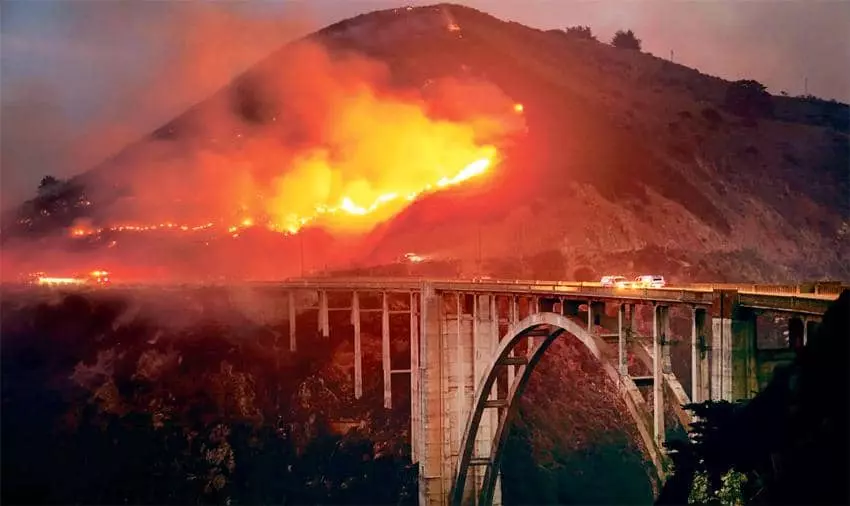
point(629, 162)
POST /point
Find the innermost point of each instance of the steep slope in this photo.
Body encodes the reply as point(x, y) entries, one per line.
point(629, 162)
point(626, 151)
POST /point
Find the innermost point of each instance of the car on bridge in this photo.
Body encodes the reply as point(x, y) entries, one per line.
point(650, 281)
point(614, 281)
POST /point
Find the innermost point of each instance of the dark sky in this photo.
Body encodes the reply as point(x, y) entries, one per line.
point(81, 78)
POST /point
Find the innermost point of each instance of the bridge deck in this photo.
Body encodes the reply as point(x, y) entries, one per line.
point(787, 298)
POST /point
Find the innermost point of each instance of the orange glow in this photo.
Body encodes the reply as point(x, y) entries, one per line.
point(519, 108)
point(362, 150)
point(391, 153)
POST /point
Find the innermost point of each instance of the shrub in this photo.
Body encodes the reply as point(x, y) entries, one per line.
point(626, 40)
point(749, 99)
point(580, 32)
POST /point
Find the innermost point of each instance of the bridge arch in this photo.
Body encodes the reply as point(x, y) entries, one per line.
point(548, 326)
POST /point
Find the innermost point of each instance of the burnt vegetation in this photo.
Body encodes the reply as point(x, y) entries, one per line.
point(100, 407)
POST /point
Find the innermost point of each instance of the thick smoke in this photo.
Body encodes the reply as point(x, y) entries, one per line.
point(169, 55)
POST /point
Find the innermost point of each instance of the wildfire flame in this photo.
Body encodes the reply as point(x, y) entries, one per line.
point(363, 150)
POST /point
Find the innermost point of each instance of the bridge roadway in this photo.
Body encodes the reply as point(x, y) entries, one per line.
point(474, 343)
point(805, 299)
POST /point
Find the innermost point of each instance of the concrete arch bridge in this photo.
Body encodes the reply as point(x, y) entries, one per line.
point(474, 344)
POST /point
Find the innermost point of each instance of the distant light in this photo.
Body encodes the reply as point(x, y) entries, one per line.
point(519, 108)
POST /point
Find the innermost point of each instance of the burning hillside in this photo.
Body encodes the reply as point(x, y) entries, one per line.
point(559, 156)
point(328, 141)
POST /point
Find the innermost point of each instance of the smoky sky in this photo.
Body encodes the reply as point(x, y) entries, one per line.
point(80, 80)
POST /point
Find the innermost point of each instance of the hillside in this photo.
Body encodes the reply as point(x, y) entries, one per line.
point(627, 162)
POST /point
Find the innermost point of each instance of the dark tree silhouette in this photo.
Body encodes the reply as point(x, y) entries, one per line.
point(580, 32)
point(626, 40)
point(48, 183)
point(791, 440)
point(748, 98)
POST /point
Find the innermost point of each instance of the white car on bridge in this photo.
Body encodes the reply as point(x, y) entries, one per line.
point(614, 281)
point(650, 281)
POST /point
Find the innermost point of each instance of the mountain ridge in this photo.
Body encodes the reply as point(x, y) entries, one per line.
point(624, 152)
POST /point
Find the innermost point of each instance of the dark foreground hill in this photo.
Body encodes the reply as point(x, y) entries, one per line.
point(630, 162)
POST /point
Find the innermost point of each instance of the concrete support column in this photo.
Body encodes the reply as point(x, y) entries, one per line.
point(733, 350)
point(324, 322)
point(622, 365)
point(744, 364)
point(660, 365)
point(434, 486)
point(699, 366)
point(358, 356)
point(533, 308)
point(291, 309)
point(461, 367)
point(415, 412)
point(805, 330)
point(590, 317)
point(385, 352)
point(514, 318)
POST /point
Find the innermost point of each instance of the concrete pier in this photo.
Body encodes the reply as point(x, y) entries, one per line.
point(660, 366)
point(358, 353)
point(385, 352)
point(324, 321)
point(290, 306)
point(622, 322)
point(734, 373)
point(700, 374)
point(458, 348)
